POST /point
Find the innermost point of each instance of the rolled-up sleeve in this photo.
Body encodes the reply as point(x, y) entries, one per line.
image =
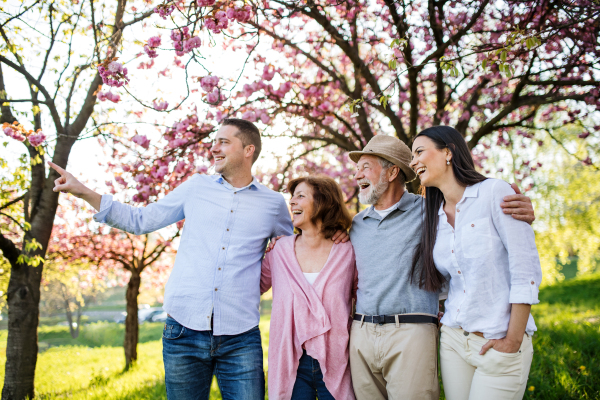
point(141, 220)
point(519, 240)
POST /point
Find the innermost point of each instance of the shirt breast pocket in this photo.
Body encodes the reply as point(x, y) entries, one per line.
point(476, 238)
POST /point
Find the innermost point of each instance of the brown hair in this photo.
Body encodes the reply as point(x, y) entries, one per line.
point(328, 203)
point(247, 132)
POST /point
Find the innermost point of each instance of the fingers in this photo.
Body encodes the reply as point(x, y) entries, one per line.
point(336, 236)
point(514, 205)
point(519, 198)
point(487, 346)
point(515, 188)
point(524, 217)
point(345, 238)
point(57, 168)
point(61, 188)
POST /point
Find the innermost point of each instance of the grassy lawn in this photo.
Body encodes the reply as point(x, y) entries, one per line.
point(565, 365)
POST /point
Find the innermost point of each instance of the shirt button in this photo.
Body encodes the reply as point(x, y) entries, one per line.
point(459, 272)
point(216, 289)
point(464, 291)
point(472, 225)
point(453, 251)
point(231, 210)
point(227, 230)
point(219, 268)
point(456, 310)
point(532, 282)
point(223, 248)
point(234, 192)
point(457, 210)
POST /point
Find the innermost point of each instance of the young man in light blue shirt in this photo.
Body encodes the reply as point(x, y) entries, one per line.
point(213, 293)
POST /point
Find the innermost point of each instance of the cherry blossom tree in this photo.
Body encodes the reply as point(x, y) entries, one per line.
point(338, 73)
point(48, 90)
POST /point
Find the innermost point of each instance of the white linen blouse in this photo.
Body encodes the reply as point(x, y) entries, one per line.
point(490, 260)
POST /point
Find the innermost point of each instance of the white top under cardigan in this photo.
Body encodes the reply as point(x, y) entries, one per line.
point(490, 259)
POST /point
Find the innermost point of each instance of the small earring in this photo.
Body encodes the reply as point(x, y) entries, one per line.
point(447, 162)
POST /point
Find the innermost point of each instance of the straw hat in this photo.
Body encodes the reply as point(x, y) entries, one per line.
point(390, 148)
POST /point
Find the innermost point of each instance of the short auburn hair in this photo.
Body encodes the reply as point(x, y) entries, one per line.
point(248, 133)
point(328, 203)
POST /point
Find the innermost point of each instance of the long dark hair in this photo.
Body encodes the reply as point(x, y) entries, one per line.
point(444, 137)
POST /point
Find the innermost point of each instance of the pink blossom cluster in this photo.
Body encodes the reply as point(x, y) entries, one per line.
point(240, 14)
point(249, 89)
point(150, 47)
point(164, 10)
point(218, 22)
point(142, 140)
point(255, 115)
point(19, 133)
point(16, 134)
point(36, 139)
point(160, 105)
point(183, 42)
point(205, 3)
point(102, 96)
point(114, 74)
point(209, 83)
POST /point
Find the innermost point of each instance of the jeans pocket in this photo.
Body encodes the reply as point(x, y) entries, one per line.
point(173, 329)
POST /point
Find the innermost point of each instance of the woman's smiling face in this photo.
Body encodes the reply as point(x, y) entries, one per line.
point(301, 205)
point(429, 162)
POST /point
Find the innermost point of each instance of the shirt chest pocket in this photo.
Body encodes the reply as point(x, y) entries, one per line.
point(476, 238)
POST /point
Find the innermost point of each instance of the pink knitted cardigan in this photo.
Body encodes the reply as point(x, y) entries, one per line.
point(317, 317)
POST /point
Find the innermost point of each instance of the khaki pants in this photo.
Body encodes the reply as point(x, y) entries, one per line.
point(492, 376)
point(394, 361)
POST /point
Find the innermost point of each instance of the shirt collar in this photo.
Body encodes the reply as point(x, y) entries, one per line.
point(403, 205)
point(470, 191)
point(219, 178)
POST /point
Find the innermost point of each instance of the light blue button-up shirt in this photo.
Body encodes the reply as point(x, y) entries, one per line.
point(217, 268)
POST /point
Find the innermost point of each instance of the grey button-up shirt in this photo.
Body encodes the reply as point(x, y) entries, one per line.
point(384, 250)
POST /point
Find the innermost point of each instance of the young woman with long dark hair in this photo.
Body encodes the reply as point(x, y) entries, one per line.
point(491, 264)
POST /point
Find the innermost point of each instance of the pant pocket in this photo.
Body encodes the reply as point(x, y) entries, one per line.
point(172, 329)
point(498, 363)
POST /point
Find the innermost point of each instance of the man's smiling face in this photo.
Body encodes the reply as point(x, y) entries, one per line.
point(227, 150)
point(371, 179)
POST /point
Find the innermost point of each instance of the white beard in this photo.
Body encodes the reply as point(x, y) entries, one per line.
point(375, 191)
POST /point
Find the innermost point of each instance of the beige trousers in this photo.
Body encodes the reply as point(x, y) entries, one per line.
point(492, 376)
point(394, 361)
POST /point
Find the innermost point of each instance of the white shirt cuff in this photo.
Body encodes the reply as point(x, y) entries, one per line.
point(105, 205)
point(524, 294)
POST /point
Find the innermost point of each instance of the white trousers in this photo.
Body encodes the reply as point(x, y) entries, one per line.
point(469, 376)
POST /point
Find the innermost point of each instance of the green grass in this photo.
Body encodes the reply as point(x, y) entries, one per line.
point(91, 367)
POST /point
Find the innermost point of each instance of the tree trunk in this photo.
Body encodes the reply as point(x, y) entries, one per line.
point(23, 318)
point(131, 321)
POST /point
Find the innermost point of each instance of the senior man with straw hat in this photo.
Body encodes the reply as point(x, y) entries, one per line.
point(393, 339)
point(394, 334)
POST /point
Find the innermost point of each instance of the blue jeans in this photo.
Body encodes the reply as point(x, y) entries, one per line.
point(309, 381)
point(192, 357)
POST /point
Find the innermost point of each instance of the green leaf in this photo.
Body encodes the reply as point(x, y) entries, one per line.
point(392, 64)
point(484, 63)
point(503, 56)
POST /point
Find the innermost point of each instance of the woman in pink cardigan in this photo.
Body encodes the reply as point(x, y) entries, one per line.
point(314, 282)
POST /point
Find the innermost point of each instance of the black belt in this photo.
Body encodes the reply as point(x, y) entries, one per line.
point(402, 319)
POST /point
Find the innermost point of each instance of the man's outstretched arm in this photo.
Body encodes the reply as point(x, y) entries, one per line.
point(67, 183)
point(137, 220)
point(518, 206)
